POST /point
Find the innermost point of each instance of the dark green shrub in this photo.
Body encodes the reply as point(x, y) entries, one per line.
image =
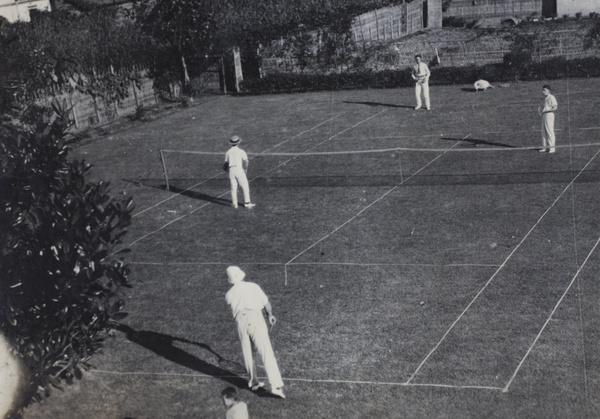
point(60, 278)
point(592, 37)
point(584, 67)
point(519, 59)
point(554, 68)
point(286, 82)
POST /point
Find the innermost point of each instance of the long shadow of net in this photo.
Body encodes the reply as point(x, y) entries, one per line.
point(406, 180)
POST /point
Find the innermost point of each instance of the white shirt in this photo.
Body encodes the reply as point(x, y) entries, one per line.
point(550, 104)
point(246, 296)
point(238, 411)
point(421, 71)
point(235, 156)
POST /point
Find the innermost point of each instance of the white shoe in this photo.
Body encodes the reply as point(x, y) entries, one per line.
point(278, 392)
point(234, 206)
point(552, 150)
point(249, 205)
point(417, 107)
point(542, 150)
point(256, 386)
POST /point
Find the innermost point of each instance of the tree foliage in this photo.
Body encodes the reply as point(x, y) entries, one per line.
point(61, 279)
point(592, 37)
point(93, 52)
point(520, 57)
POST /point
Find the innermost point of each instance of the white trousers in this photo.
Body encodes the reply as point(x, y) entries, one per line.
point(252, 329)
point(422, 88)
point(548, 136)
point(237, 175)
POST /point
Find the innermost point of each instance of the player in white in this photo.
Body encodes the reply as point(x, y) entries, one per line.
point(247, 301)
point(547, 114)
point(237, 160)
point(421, 73)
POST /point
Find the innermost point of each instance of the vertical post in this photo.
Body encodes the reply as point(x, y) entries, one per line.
point(137, 102)
point(162, 159)
point(237, 64)
point(96, 109)
point(377, 24)
point(73, 112)
point(222, 70)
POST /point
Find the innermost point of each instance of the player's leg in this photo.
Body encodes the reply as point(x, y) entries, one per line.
point(243, 323)
point(550, 132)
point(544, 135)
point(418, 94)
point(234, 186)
point(245, 187)
point(426, 95)
point(260, 337)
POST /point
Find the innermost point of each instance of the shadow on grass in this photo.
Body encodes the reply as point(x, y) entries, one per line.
point(163, 345)
point(153, 183)
point(469, 89)
point(389, 105)
point(201, 196)
point(477, 142)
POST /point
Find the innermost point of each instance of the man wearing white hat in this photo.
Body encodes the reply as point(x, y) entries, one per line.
point(237, 161)
point(247, 301)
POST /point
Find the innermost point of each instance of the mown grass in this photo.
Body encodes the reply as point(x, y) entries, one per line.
point(406, 284)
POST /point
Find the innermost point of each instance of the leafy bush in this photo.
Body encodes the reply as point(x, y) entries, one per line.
point(592, 37)
point(546, 70)
point(285, 82)
point(518, 60)
point(60, 280)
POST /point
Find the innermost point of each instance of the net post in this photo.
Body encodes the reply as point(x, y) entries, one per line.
point(162, 159)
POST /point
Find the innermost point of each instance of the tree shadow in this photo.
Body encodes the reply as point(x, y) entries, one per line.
point(477, 142)
point(389, 105)
point(163, 345)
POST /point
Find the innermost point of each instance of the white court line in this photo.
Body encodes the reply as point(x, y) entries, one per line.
point(550, 317)
point(367, 207)
point(307, 380)
point(399, 137)
point(293, 156)
point(394, 149)
point(219, 174)
point(499, 269)
point(572, 281)
point(444, 265)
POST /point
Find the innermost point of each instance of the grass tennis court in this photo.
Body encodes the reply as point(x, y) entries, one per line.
point(449, 272)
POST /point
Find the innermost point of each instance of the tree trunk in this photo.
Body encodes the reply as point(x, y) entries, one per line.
point(186, 76)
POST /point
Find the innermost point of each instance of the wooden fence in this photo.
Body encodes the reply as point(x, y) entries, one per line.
point(476, 9)
point(88, 111)
point(388, 23)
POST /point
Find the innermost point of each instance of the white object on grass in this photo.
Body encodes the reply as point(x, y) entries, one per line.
point(482, 85)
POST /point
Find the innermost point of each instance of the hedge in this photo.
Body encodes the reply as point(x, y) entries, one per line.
point(554, 68)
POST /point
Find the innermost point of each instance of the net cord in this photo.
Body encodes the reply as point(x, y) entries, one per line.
point(384, 150)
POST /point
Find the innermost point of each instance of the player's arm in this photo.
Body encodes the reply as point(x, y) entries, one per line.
point(269, 311)
point(413, 73)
